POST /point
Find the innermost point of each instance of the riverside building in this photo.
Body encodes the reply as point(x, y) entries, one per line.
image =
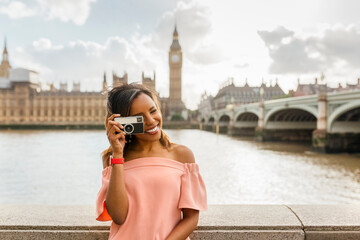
point(238, 95)
point(314, 88)
point(23, 103)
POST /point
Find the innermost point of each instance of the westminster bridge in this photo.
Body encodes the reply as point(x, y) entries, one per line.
point(330, 121)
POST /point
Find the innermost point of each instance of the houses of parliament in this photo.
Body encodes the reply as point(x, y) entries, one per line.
point(23, 102)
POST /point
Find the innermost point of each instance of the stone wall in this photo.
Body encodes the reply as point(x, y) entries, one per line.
point(310, 222)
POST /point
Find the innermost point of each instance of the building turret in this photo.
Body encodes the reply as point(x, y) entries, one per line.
point(5, 65)
point(63, 87)
point(52, 88)
point(246, 83)
point(118, 81)
point(76, 87)
point(148, 82)
point(104, 86)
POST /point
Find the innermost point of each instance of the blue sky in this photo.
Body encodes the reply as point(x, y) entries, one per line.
point(72, 41)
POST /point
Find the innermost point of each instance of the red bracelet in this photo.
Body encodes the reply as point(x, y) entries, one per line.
point(116, 160)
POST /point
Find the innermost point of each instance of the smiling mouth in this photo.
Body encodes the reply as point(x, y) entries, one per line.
point(153, 130)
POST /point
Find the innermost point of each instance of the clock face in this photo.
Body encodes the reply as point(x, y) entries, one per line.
point(175, 58)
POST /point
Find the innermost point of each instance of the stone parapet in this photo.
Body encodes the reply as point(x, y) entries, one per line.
point(219, 222)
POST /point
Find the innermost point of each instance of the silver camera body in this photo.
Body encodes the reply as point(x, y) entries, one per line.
point(132, 125)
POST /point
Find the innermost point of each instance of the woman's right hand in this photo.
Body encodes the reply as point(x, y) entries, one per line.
point(116, 136)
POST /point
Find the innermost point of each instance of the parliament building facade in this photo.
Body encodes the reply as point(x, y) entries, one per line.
point(23, 102)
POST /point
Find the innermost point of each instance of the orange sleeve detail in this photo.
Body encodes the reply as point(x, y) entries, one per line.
point(104, 216)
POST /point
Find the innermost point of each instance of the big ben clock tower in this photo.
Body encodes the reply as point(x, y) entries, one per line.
point(175, 64)
point(173, 107)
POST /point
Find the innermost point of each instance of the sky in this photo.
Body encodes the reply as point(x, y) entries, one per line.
point(77, 41)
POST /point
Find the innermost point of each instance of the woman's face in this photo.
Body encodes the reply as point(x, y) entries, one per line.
point(144, 106)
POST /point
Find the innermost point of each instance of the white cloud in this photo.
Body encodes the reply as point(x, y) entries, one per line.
point(66, 10)
point(42, 44)
point(193, 22)
point(336, 47)
point(16, 10)
point(83, 61)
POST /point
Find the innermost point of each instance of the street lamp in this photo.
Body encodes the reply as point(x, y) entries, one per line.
point(261, 94)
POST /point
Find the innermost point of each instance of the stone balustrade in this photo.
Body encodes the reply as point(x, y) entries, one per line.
point(310, 222)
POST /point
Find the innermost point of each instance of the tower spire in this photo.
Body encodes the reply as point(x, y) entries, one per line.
point(5, 52)
point(175, 46)
point(104, 82)
point(5, 65)
point(175, 34)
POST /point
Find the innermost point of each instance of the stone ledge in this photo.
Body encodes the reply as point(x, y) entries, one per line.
point(316, 222)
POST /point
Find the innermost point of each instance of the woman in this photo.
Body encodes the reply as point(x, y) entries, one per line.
point(145, 196)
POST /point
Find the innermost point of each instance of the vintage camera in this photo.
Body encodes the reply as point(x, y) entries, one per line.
point(132, 125)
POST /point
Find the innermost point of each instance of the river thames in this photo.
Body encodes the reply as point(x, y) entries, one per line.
point(58, 167)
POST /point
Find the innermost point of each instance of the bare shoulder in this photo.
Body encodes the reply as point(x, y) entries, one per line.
point(183, 154)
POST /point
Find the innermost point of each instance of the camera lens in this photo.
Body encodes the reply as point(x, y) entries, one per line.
point(129, 128)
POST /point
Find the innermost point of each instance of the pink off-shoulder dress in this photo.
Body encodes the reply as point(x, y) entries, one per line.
point(158, 188)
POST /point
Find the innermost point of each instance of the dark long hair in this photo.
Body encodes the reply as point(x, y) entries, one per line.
point(119, 101)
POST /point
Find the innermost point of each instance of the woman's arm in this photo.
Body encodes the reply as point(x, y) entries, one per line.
point(190, 216)
point(186, 226)
point(117, 202)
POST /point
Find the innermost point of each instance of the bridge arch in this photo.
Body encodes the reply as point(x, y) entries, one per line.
point(247, 117)
point(310, 110)
point(339, 111)
point(248, 111)
point(224, 118)
point(245, 123)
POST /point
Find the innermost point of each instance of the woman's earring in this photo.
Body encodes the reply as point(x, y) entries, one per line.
point(130, 138)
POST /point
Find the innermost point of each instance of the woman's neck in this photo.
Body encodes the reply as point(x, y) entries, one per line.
point(145, 146)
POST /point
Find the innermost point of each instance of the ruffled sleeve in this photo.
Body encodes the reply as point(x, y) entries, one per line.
point(101, 211)
point(192, 191)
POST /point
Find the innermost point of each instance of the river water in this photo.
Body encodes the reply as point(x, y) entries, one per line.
point(64, 167)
